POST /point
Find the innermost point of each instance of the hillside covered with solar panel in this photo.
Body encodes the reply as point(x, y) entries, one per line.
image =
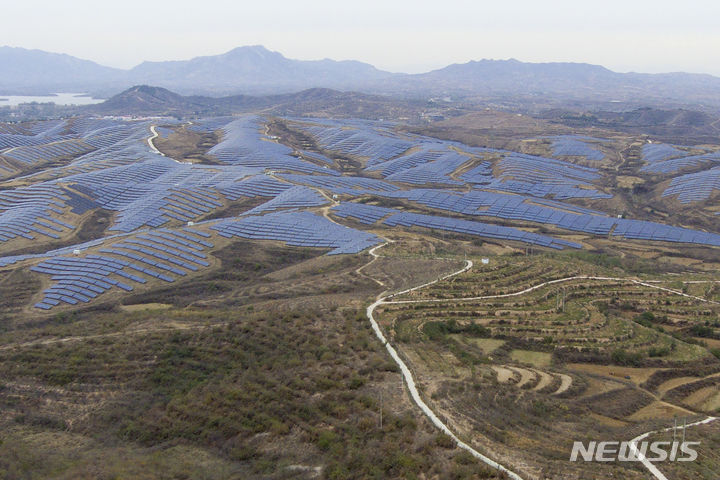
point(102, 207)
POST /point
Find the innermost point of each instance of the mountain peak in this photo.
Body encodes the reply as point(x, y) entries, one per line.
point(142, 99)
point(256, 54)
point(257, 49)
point(147, 90)
point(254, 69)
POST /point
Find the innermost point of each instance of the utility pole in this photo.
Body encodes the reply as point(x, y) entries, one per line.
point(684, 428)
point(381, 409)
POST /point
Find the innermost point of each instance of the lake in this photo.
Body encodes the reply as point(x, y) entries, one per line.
point(58, 99)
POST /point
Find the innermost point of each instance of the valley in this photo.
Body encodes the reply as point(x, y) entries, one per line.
point(303, 288)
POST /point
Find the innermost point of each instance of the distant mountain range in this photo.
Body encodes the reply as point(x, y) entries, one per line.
point(256, 70)
point(576, 81)
point(148, 100)
point(253, 70)
point(36, 72)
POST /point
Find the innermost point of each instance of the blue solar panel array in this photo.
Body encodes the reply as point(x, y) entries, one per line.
point(641, 230)
point(155, 192)
point(694, 187)
point(437, 167)
point(35, 154)
point(576, 146)
point(420, 160)
point(367, 214)
point(293, 197)
point(30, 211)
point(255, 186)
point(163, 132)
point(244, 144)
point(370, 214)
point(676, 164)
point(162, 254)
point(522, 208)
point(479, 175)
point(540, 190)
point(411, 160)
point(540, 177)
point(343, 185)
point(209, 125)
point(115, 169)
point(468, 227)
point(79, 280)
point(37, 133)
point(658, 152)
point(93, 143)
point(301, 229)
point(375, 144)
point(13, 140)
point(11, 260)
point(110, 142)
point(13, 129)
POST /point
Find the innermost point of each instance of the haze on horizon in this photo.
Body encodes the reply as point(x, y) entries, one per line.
point(400, 36)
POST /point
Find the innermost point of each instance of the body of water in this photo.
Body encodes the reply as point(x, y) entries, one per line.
point(58, 99)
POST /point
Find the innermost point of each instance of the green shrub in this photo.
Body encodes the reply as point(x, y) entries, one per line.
point(444, 441)
point(625, 358)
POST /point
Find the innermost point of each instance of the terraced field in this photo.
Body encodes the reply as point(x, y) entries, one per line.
point(523, 348)
point(573, 315)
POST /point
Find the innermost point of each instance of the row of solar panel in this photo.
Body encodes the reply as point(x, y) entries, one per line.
point(367, 214)
point(694, 187)
point(676, 164)
point(80, 279)
point(243, 144)
point(657, 152)
point(34, 154)
point(477, 228)
point(516, 207)
point(576, 146)
point(298, 229)
point(365, 142)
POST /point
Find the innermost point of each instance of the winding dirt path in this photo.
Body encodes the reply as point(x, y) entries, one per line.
point(641, 457)
point(545, 284)
point(409, 380)
point(155, 134)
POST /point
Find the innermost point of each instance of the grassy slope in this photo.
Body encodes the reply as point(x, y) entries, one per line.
point(245, 385)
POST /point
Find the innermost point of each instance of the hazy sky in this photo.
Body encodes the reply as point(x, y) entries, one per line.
point(395, 35)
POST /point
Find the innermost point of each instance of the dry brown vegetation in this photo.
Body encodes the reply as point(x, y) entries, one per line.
point(264, 368)
point(186, 145)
